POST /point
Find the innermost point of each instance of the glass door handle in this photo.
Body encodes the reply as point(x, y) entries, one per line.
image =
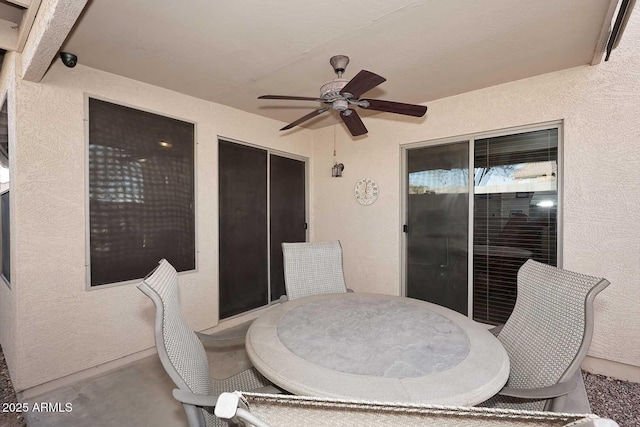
point(446, 247)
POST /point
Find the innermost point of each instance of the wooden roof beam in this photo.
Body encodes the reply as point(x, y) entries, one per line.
point(52, 25)
point(22, 3)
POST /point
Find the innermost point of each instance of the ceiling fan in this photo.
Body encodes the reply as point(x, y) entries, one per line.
point(343, 95)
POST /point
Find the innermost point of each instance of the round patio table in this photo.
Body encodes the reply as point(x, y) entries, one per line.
point(377, 348)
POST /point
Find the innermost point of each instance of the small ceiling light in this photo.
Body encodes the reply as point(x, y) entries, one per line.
point(545, 204)
point(165, 144)
point(142, 160)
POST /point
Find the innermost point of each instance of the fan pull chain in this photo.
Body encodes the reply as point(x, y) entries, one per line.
point(334, 144)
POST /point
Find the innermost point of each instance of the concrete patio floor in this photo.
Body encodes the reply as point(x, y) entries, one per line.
point(139, 394)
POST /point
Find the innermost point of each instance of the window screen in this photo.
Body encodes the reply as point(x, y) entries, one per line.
point(6, 237)
point(515, 215)
point(243, 239)
point(141, 192)
point(5, 223)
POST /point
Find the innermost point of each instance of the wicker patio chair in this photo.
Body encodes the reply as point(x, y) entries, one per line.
point(547, 337)
point(183, 355)
point(263, 410)
point(312, 268)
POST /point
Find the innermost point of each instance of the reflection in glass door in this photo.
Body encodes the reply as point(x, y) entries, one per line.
point(466, 237)
point(515, 213)
point(438, 225)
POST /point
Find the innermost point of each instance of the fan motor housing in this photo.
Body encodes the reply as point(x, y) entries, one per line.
point(340, 105)
point(331, 90)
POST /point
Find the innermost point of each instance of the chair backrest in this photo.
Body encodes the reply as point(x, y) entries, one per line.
point(549, 332)
point(312, 268)
point(284, 410)
point(181, 353)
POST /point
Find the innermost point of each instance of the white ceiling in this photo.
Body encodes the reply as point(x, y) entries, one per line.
point(230, 52)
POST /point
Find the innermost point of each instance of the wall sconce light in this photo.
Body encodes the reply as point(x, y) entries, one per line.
point(336, 170)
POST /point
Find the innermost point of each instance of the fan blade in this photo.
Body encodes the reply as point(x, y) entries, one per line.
point(292, 98)
point(353, 122)
point(395, 107)
point(311, 115)
point(363, 82)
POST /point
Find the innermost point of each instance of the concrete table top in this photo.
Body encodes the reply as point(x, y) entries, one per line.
point(378, 348)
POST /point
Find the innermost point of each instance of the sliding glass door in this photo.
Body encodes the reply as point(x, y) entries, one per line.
point(242, 210)
point(466, 235)
point(515, 215)
point(438, 224)
point(287, 213)
point(262, 203)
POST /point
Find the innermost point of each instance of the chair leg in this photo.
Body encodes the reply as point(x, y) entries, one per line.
point(575, 402)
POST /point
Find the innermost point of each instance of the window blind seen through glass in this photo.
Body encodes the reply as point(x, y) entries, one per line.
point(515, 215)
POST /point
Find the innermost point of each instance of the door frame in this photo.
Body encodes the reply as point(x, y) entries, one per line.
point(269, 152)
point(471, 138)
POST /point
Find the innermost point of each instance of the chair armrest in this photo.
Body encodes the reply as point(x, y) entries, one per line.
point(222, 341)
point(201, 400)
point(209, 400)
point(549, 392)
point(496, 329)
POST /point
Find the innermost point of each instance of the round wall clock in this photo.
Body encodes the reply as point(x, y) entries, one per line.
point(366, 191)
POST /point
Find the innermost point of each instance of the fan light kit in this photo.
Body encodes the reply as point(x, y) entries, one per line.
point(343, 95)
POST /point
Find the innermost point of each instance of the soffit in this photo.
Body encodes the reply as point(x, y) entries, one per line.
point(232, 52)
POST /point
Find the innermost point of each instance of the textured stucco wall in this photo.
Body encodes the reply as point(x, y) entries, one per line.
point(8, 296)
point(62, 327)
point(600, 107)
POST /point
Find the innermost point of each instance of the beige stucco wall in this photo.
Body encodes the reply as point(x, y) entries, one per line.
point(600, 107)
point(64, 328)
